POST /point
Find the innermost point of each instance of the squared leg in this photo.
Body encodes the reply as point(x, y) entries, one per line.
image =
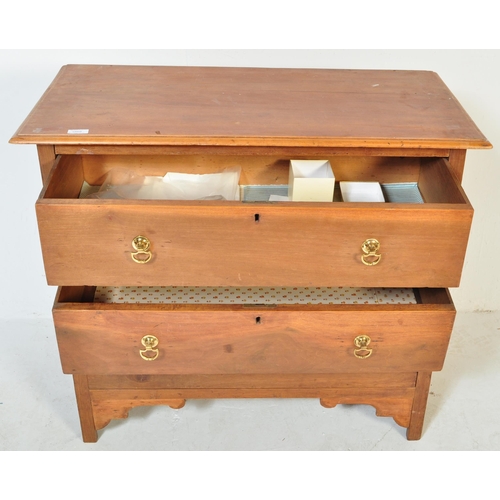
point(84, 402)
point(414, 431)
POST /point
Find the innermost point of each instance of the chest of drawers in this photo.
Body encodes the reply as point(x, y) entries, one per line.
point(230, 299)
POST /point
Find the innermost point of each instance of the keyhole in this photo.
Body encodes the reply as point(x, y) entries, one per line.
point(257, 217)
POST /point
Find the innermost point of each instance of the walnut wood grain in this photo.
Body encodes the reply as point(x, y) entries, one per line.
point(389, 403)
point(46, 158)
point(434, 296)
point(285, 340)
point(438, 184)
point(287, 152)
point(112, 397)
point(220, 244)
point(107, 407)
point(85, 410)
point(419, 404)
point(385, 126)
point(255, 169)
point(457, 162)
point(66, 177)
point(249, 106)
point(254, 381)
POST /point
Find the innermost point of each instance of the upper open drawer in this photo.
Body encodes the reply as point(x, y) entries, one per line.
point(231, 243)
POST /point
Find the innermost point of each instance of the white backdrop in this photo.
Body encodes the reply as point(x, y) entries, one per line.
point(472, 75)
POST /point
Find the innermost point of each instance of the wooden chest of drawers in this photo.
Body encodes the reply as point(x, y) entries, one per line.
point(398, 128)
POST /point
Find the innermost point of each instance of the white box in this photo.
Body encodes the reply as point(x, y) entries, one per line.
point(361, 191)
point(311, 180)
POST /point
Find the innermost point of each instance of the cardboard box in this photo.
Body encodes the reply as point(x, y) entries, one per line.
point(311, 180)
point(361, 191)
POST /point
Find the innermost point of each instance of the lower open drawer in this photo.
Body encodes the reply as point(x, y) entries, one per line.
point(308, 330)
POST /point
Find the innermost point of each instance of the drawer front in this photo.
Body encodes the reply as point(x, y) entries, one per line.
point(221, 245)
point(228, 243)
point(204, 339)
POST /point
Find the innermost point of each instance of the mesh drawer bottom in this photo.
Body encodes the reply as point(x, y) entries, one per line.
point(254, 295)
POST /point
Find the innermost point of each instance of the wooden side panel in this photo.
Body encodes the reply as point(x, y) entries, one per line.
point(285, 341)
point(46, 158)
point(437, 183)
point(434, 296)
point(457, 162)
point(65, 179)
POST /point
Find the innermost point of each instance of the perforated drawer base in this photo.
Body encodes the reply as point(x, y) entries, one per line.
point(254, 295)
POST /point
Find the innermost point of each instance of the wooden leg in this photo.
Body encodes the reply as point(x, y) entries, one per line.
point(405, 405)
point(98, 407)
point(84, 402)
point(414, 431)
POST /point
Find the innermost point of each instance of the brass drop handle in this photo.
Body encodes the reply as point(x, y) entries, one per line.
point(362, 350)
point(142, 254)
point(370, 249)
point(150, 353)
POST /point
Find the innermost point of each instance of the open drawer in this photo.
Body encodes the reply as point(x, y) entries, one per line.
point(232, 243)
point(302, 331)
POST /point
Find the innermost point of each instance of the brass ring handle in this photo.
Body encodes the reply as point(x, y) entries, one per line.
point(140, 260)
point(142, 254)
point(150, 353)
point(362, 351)
point(370, 247)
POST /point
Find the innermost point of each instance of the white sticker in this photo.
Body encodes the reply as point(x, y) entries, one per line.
point(78, 131)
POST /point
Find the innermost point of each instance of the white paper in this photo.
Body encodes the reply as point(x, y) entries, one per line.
point(278, 197)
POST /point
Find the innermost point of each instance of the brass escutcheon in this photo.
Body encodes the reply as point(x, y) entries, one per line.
point(142, 254)
point(362, 351)
point(370, 247)
point(150, 353)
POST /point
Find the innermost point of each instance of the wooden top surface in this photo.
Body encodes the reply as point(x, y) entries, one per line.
point(144, 105)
